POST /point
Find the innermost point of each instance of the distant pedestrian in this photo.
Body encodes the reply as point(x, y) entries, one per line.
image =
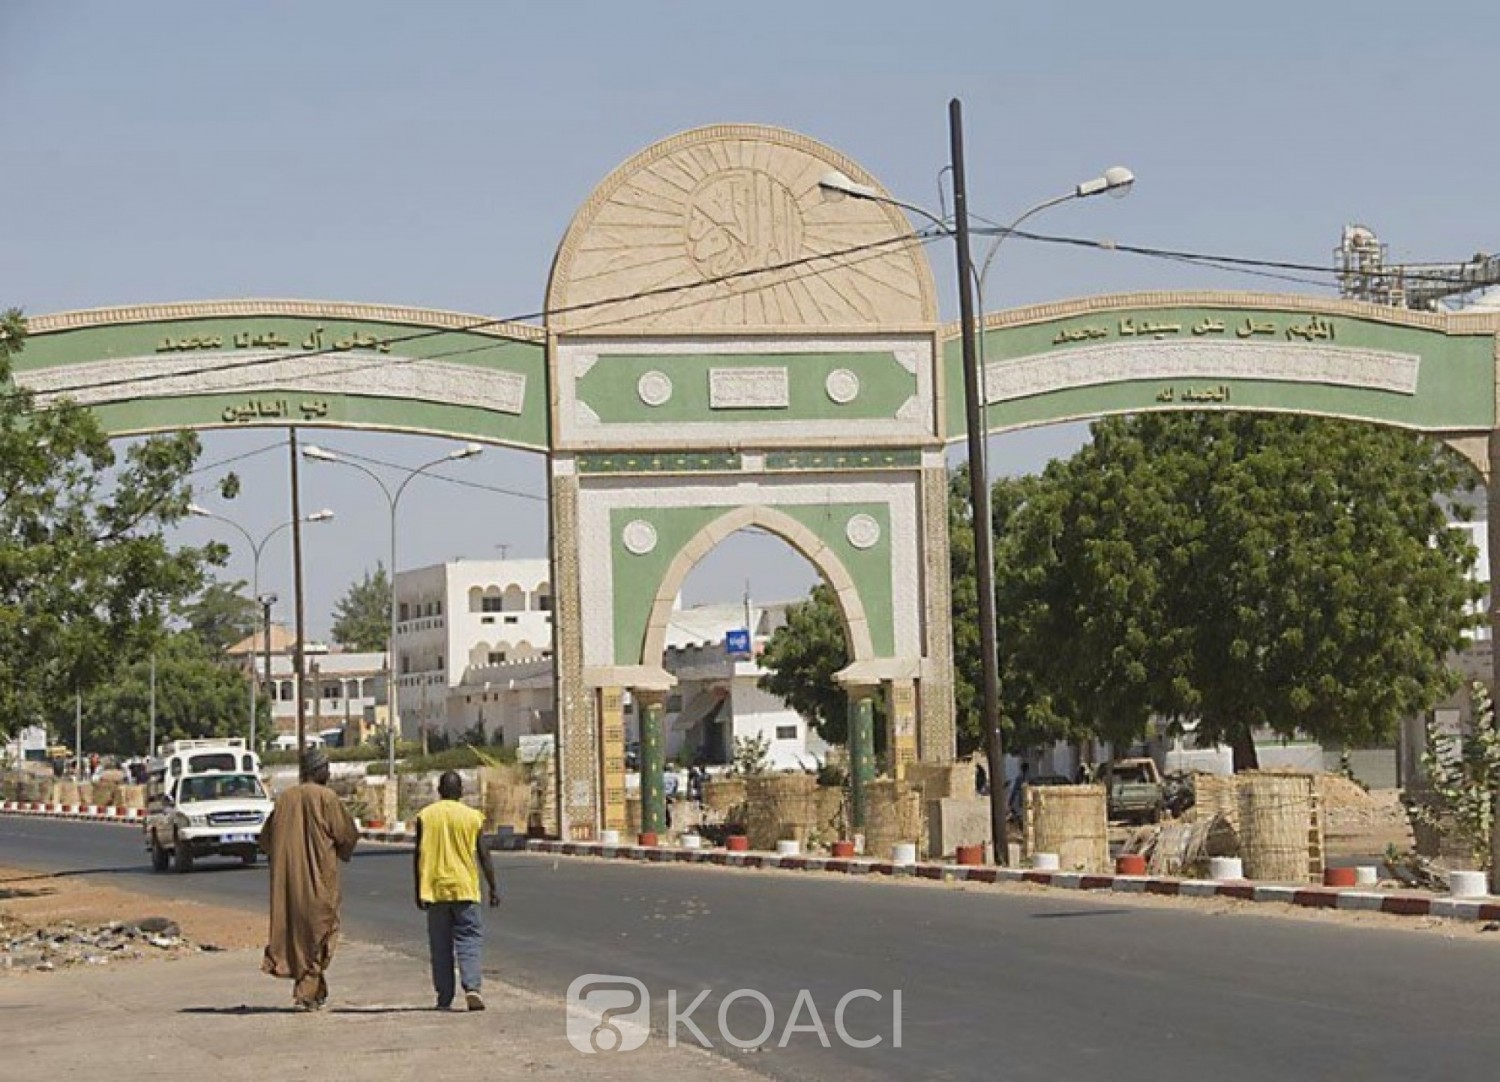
point(1017, 803)
point(450, 855)
point(981, 780)
point(307, 834)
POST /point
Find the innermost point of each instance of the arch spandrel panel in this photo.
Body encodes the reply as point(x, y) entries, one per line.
point(726, 229)
point(231, 364)
point(1263, 352)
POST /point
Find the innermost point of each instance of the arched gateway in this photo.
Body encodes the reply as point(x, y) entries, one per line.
point(729, 345)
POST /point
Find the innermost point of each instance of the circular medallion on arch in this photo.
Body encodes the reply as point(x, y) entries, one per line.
point(639, 536)
point(654, 388)
point(862, 531)
point(842, 386)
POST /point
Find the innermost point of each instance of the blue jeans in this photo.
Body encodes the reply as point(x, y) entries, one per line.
point(454, 929)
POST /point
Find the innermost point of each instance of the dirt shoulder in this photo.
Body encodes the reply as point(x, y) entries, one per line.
point(32, 900)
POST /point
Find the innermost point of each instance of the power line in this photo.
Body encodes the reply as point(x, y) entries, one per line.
point(1231, 264)
point(480, 324)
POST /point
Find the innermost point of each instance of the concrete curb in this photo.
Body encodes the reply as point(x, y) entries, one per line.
point(1397, 903)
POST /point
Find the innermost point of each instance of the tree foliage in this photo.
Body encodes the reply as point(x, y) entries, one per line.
point(801, 658)
point(222, 614)
point(1247, 571)
point(197, 695)
point(1464, 773)
point(362, 617)
point(86, 576)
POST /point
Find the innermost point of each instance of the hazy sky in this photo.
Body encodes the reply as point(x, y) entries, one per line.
point(433, 154)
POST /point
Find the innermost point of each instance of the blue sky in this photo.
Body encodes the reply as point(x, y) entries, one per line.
point(433, 155)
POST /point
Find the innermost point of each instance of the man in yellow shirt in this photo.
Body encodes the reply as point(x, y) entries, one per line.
point(449, 856)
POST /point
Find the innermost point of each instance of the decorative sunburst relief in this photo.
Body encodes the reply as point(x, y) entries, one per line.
point(727, 228)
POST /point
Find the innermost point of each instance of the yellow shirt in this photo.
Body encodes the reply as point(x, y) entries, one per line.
point(448, 862)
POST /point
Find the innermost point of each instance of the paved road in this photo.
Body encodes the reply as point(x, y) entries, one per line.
point(994, 985)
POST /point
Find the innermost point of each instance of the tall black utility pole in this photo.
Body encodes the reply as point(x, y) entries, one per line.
point(298, 656)
point(979, 491)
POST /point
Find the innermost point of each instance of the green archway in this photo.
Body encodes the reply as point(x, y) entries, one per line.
point(715, 356)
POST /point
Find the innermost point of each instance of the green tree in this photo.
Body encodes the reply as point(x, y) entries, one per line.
point(197, 695)
point(801, 658)
point(1248, 571)
point(222, 614)
point(86, 576)
point(362, 617)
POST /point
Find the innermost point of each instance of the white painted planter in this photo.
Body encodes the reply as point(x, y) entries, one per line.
point(788, 847)
point(1045, 862)
point(904, 853)
point(1468, 884)
point(1366, 875)
point(609, 837)
point(1222, 868)
point(690, 841)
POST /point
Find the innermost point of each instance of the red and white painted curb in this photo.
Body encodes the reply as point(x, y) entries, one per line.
point(1400, 903)
point(100, 813)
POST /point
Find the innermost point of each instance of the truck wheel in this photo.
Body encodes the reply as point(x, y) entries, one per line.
point(160, 858)
point(248, 859)
point(182, 857)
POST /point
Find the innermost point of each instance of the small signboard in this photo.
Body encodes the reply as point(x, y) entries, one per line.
point(737, 642)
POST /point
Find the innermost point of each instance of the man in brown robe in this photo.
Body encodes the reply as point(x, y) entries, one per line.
point(306, 835)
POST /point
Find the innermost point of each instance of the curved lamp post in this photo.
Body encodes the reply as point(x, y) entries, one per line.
point(256, 548)
point(393, 499)
point(1116, 181)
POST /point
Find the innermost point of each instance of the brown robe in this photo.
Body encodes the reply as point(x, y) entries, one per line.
point(307, 834)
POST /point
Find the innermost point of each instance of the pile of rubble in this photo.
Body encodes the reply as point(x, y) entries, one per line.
point(65, 944)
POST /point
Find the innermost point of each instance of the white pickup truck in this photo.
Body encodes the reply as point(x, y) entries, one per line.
point(194, 813)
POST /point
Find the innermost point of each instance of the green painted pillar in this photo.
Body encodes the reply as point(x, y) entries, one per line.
point(861, 750)
point(650, 708)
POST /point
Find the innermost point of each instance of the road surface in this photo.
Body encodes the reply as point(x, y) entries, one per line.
point(994, 984)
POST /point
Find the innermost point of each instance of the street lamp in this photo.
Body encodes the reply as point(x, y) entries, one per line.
point(256, 548)
point(1116, 181)
point(319, 454)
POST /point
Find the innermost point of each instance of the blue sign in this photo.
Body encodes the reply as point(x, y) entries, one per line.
point(737, 642)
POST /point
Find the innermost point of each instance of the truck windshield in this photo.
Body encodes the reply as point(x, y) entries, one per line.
point(222, 760)
point(220, 787)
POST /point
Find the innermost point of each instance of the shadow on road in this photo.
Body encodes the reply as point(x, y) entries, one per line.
point(246, 1009)
point(129, 869)
point(1069, 914)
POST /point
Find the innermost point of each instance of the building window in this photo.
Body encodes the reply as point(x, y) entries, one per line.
point(492, 604)
point(786, 732)
point(497, 657)
point(512, 619)
point(486, 619)
point(405, 611)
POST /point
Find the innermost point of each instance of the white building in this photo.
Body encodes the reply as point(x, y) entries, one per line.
point(718, 701)
point(339, 689)
point(463, 615)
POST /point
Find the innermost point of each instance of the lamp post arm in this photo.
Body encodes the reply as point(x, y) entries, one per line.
point(989, 256)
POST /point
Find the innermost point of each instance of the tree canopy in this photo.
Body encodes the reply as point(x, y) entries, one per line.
point(1243, 571)
point(801, 657)
point(362, 617)
point(197, 695)
point(86, 576)
point(222, 614)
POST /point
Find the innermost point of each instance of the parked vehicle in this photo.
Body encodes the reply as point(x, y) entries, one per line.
point(204, 798)
point(1135, 790)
